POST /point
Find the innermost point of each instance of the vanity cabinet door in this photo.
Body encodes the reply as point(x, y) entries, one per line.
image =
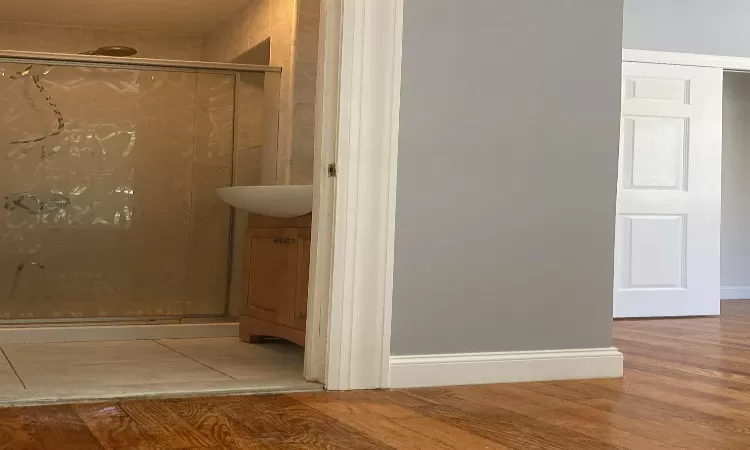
point(272, 259)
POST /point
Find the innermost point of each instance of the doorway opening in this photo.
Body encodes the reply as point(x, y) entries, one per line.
point(735, 202)
point(122, 271)
point(681, 207)
point(680, 254)
point(669, 192)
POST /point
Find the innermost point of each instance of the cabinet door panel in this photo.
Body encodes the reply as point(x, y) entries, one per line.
point(272, 258)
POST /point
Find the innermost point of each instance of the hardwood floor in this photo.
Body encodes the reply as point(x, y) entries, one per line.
point(687, 386)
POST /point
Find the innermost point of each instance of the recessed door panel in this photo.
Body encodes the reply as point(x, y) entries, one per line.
point(655, 152)
point(654, 252)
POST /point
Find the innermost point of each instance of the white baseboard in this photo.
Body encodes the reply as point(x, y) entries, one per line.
point(33, 335)
point(735, 292)
point(504, 367)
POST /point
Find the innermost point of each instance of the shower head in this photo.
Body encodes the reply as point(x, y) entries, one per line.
point(113, 50)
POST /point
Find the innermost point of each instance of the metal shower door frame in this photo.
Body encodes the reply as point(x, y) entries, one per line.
point(64, 59)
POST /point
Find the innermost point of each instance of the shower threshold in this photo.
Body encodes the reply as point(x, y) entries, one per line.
point(109, 321)
point(16, 331)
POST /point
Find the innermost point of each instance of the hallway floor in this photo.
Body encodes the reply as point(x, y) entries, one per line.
point(686, 386)
point(55, 371)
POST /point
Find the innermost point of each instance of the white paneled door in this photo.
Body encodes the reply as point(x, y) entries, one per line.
point(669, 192)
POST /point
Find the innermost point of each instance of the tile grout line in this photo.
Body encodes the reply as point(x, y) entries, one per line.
point(13, 368)
point(193, 359)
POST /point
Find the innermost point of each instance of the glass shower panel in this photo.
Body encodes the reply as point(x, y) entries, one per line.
point(107, 189)
point(210, 224)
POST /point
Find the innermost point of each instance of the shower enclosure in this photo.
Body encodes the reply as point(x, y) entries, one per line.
point(108, 172)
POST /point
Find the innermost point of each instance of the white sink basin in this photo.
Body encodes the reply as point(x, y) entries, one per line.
point(273, 201)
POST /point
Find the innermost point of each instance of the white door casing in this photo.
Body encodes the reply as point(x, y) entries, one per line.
point(357, 117)
point(667, 245)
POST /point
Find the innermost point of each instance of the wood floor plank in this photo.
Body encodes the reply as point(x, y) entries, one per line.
point(164, 426)
point(650, 425)
point(206, 416)
point(55, 427)
point(358, 416)
point(710, 354)
point(725, 395)
point(18, 429)
point(449, 435)
point(681, 334)
point(675, 396)
point(512, 430)
point(386, 404)
point(660, 407)
point(680, 346)
point(556, 411)
point(466, 408)
point(682, 370)
point(114, 428)
point(281, 421)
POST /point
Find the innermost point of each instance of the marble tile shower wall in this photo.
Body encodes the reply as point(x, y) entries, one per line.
point(292, 28)
point(107, 182)
point(305, 80)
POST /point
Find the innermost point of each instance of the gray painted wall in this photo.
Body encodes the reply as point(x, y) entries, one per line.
point(507, 175)
point(735, 184)
point(712, 27)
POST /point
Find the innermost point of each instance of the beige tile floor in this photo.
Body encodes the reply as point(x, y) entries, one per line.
point(41, 373)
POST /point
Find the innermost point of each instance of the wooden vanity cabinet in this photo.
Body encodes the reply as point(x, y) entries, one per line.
point(277, 264)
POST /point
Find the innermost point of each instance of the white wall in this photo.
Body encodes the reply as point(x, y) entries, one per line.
point(735, 214)
point(712, 27)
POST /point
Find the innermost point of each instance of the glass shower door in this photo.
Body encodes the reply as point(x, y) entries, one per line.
point(107, 180)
